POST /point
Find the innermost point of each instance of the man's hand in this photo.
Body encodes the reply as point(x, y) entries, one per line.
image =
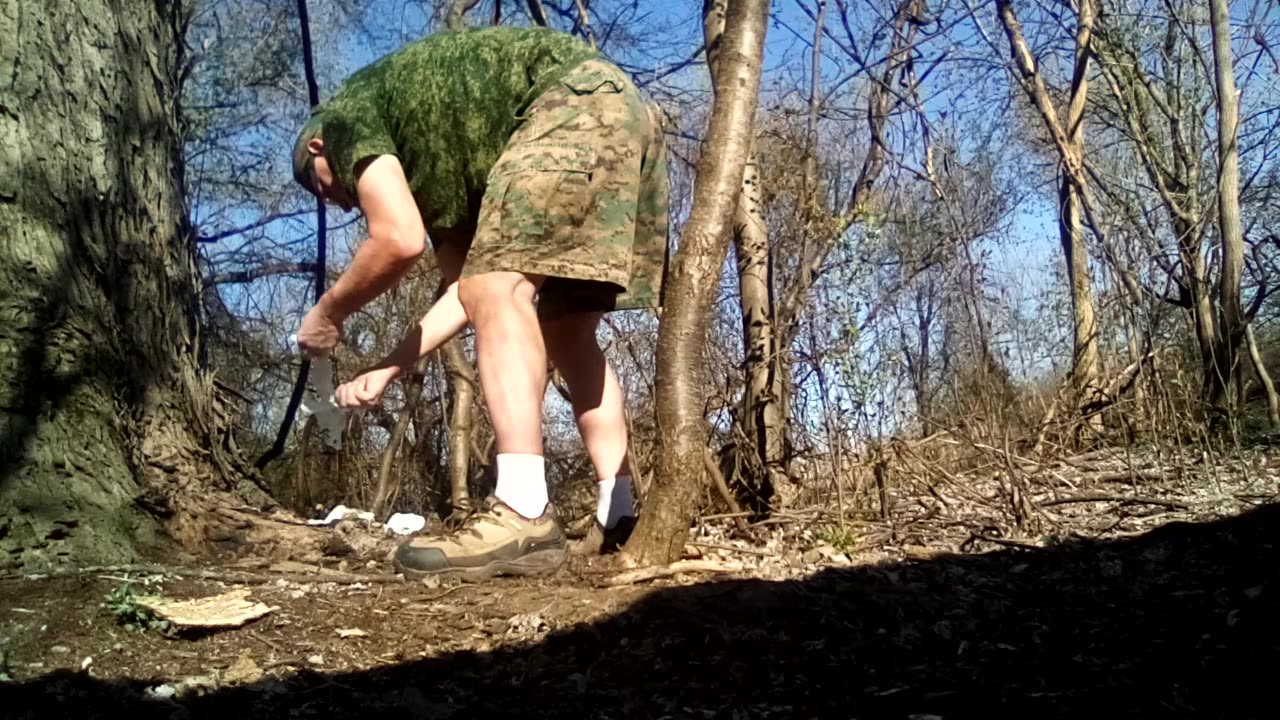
point(366, 389)
point(319, 333)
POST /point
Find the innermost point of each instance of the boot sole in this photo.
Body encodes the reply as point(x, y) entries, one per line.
point(541, 562)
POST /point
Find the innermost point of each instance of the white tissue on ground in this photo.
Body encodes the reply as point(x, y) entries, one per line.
point(342, 512)
point(405, 523)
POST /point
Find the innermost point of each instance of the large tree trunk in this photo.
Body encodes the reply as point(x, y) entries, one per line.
point(110, 432)
point(1230, 232)
point(681, 368)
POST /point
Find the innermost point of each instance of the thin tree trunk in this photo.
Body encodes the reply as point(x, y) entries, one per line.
point(1230, 232)
point(1139, 415)
point(920, 364)
point(386, 488)
point(460, 373)
point(973, 301)
point(1070, 144)
point(760, 416)
point(1175, 174)
point(461, 422)
point(1273, 402)
point(811, 135)
point(1071, 229)
point(110, 432)
point(681, 370)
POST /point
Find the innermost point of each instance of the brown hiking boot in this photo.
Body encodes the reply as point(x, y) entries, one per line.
point(494, 541)
point(599, 541)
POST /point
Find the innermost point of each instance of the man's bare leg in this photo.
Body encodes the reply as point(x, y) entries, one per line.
point(512, 362)
point(518, 535)
point(598, 406)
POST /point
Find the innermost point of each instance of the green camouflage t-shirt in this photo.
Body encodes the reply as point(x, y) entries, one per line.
point(445, 105)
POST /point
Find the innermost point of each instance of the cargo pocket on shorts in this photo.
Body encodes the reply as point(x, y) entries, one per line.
point(545, 191)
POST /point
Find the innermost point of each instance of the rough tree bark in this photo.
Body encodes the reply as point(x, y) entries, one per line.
point(110, 433)
point(663, 527)
point(761, 461)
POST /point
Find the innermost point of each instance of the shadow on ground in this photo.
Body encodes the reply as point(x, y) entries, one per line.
point(1181, 622)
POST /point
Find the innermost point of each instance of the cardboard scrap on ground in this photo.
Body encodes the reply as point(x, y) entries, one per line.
point(230, 609)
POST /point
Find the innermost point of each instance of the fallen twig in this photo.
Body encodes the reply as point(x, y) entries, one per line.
point(1127, 476)
point(449, 591)
point(640, 575)
point(1175, 504)
point(749, 551)
point(221, 576)
point(265, 641)
point(1019, 544)
point(726, 516)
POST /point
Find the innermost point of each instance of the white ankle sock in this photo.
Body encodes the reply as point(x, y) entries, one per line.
point(614, 502)
point(522, 483)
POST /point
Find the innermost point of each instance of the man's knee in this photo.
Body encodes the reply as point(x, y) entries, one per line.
point(489, 292)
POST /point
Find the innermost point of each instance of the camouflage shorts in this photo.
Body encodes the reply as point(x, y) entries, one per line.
point(580, 195)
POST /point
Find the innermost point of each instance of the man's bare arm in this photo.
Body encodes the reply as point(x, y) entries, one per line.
point(445, 319)
point(396, 240)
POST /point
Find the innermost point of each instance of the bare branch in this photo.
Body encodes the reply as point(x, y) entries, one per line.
point(458, 9)
point(538, 13)
point(245, 276)
point(261, 222)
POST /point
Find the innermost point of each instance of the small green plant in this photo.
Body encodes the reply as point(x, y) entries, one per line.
point(844, 540)
point(122, 604)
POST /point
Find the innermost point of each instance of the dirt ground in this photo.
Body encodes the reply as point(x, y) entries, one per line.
point(1176, 616)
